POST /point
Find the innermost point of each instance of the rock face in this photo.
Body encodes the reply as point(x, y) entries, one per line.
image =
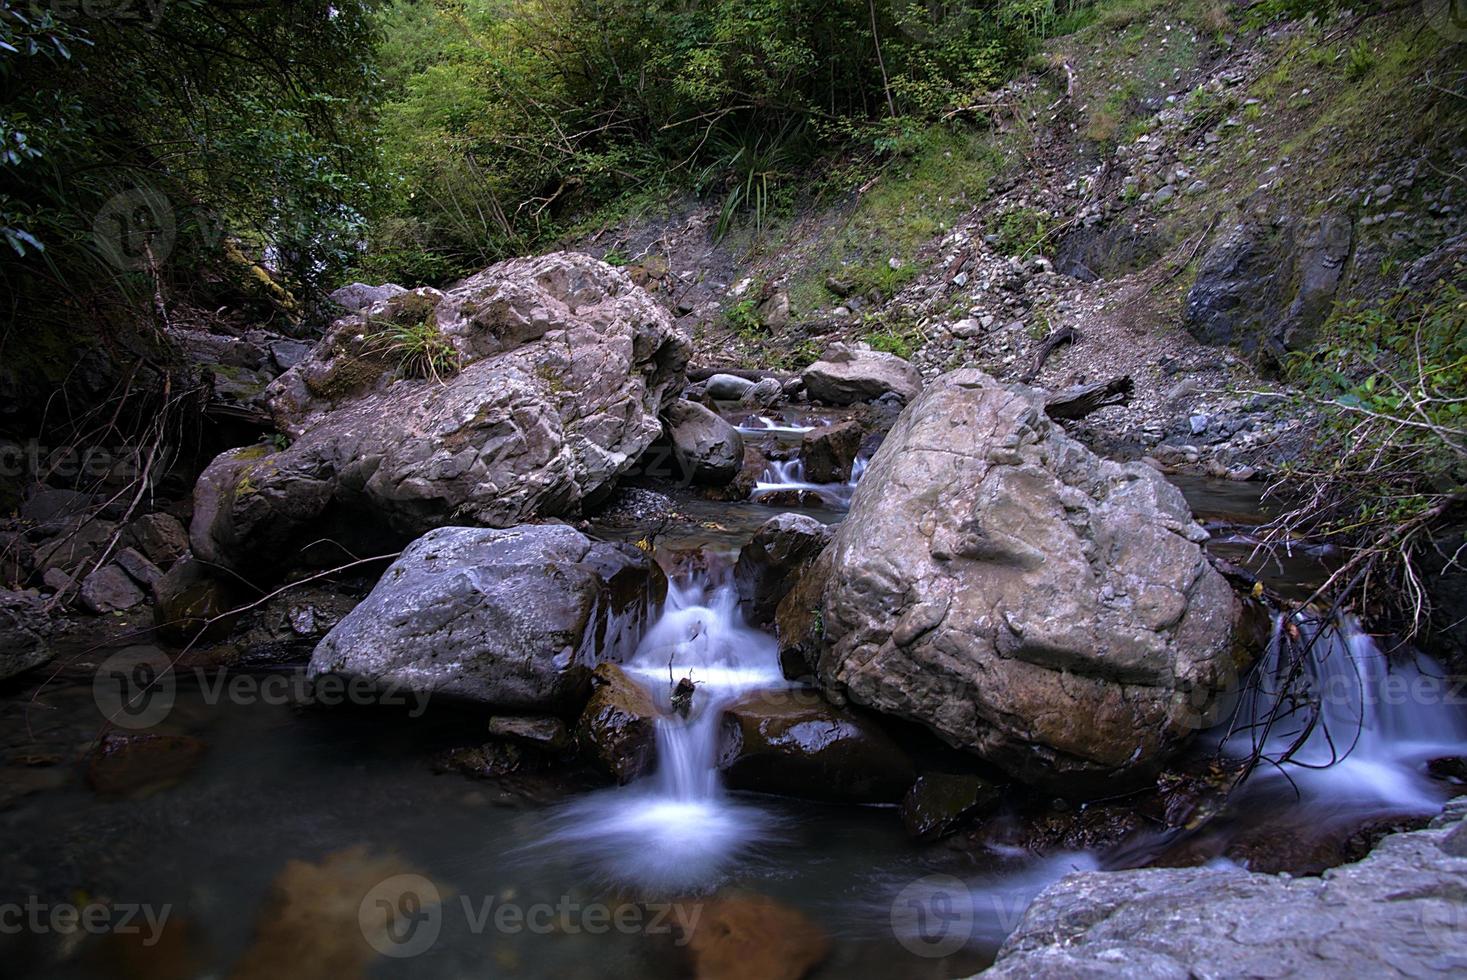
point(938, 802)
point(1397, 913)
point(1269, 285)
point(845, 376)
point(795, 744)
point(1045, 609)
point(773, 560)
point(708, 450)
point(513, 618)
point(23, 627)
point(522, 391)
point(830, 451)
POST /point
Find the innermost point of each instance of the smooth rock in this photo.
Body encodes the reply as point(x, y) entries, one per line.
point(195, 601)
point(513, 618)
point(845, 376)
point(774, 559)
point(938, 802)
point(540, 731)
point(109, 589)
point(727, 387)
point(707, 448)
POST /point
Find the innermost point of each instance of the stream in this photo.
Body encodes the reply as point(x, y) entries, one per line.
point(292, 807)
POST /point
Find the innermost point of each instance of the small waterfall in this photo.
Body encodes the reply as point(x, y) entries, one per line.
point(678, 829)
point(1352, 728)
point(789, 475)
point(763, 425)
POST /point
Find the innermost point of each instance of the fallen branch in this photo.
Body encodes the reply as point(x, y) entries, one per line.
point(1047, 346)
point(1076, 403)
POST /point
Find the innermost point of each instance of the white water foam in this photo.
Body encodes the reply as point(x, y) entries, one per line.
point(786, 475)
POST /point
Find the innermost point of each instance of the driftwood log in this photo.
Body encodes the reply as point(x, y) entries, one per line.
point(1078, 402)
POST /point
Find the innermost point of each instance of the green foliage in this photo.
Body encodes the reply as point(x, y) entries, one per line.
point(1360, 62)
point(1390, 450)
point(1020, 231)
point(744, 317)
point(419, 349)
point(894, 337)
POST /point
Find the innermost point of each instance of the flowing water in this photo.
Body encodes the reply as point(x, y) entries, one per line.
point(259, 850)
point(788, 476)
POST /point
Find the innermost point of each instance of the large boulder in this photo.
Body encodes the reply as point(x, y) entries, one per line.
point(514, 618)
point(1397, 913)
point(846, 375)
point(24, 626)
point(617, 729)
point(829, 452)
point(523, 391)
point(707, 449)
point(1048, 610)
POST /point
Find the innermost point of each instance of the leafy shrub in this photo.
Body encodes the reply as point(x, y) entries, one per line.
point(1020, 231)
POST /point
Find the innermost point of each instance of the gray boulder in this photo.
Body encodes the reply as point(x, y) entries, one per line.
point(550, 375)
point(23, 630)
point(360, 296)
point(996, 581)
point(727, 387)
point(1397, 913)
point(109, 589)
point(708, 449)
point(515, 618)
point(830, 451)
point(845, 376)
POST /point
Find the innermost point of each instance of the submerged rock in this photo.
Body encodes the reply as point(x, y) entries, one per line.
point(1048, 610)
point(845, 376)
point(751, 937)
point(1397, 913)
point(618, 728)
point(513, 618)
point(192, 597)
point(141, 762)
point(708, 449)
point(523, 391)
point(793, 743)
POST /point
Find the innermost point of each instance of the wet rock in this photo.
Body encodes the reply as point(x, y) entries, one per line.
point(773, 560)
point(618, 728)
point(829, 452)
point(551, 375)
point(360, 296)
point(488, 761)
point(845, 376)
point(134, 764)
point(24, 627)
point(138, 568)
point(795, 744)
point(192, 597)
point(109, 589)
point(511, 618)
point(938, 802)
point(708, 449)
point(160, 537)
point(727, 387)
point(1048, 610)
point(56, 509)
point(287, 628)
point(1396, 913)
point(539, 731)
point(751, 937)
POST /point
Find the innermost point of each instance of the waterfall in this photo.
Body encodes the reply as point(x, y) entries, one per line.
point(678, 829)
point(783, 475)
point(1353, 727)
